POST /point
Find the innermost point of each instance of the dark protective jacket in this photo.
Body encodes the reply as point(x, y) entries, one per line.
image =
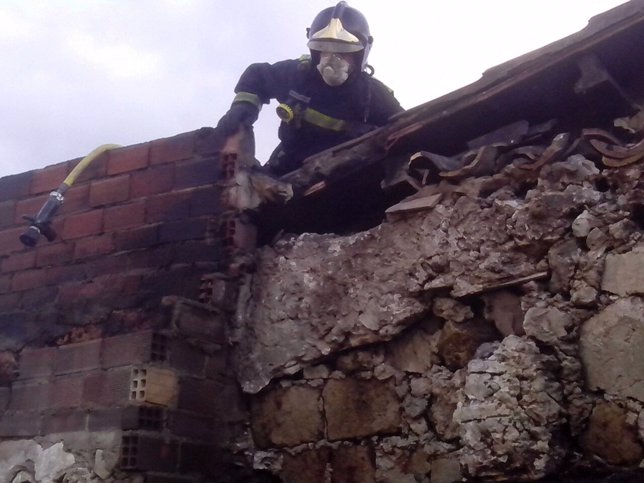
point(323, 116)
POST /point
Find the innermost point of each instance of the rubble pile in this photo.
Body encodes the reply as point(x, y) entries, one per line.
point(488, 330)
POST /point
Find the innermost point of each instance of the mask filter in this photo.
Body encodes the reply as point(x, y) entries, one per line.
point(334, 69)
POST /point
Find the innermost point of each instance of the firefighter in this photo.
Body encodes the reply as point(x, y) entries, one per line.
point(326, 98)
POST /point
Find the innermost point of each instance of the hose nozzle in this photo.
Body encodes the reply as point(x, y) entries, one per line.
point(41, 223)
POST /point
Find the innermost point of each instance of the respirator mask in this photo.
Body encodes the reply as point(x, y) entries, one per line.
point(334, 68)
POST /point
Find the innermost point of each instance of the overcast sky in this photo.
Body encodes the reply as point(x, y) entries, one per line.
point(75, 74)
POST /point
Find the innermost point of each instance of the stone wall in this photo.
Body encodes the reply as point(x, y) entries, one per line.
point(493, 335)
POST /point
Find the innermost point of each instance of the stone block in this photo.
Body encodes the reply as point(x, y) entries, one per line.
point(610, 437)
point(611, 349)
point(446, 470)
point(353, 464)
point(154, 385)
point(80, 357)
point(503, 308)
point(36, 362)
point(287, 416)
point(458, 341)
point(358, 408)
point(624, 273)
point(306, 467)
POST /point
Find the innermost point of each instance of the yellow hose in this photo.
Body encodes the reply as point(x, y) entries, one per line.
point(80, 167)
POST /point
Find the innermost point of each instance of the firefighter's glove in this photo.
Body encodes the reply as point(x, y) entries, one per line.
point(239, 114)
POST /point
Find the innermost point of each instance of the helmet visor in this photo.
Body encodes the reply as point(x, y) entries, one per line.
point(334, 38)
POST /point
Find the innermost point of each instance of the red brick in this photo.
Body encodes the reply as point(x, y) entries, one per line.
point(15, 186)
point(19, 261)
point(195, 173)
point(209, 140)
point(197, 395)
point(28, 279)
point(129, 158)
point(5, 396)
point(10, 240)
point(217, 365)
point(7, 213)
point(192, 426)
point(75, 199)
point(111, 190)
point(172, 149)
point(40, 297)
point(124, 216)
point(154, 180)
point(127, 349)
point(67, 391)
point(65, 421)
point(142, 237)
point(107, 388)
point(30, 395)
point(36, 362)
point(196, 251)
point(127, 418)
point(80, 357)
point(49, 178)
point(93, 246)
point(9, 301)
point(54, 254)
point(148, 453)
point(96, 169)
point(171, 206)
point(206, 201)
point(29, 207)
point(83, 224)
point(192, 229)
point(197, 457)
point(20, 425)
point(186, 357)
point(5, 283)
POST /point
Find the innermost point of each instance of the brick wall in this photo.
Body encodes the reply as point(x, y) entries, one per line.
point(140, 223)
